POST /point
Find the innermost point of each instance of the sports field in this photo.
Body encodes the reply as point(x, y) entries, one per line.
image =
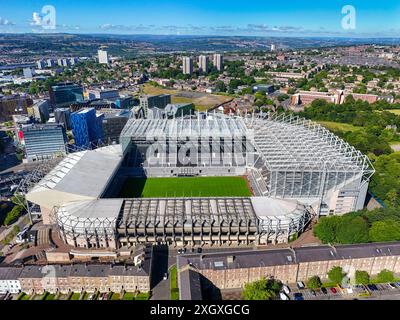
point(185, 187)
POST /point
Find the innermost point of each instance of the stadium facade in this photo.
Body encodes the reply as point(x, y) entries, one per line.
point(296, 170)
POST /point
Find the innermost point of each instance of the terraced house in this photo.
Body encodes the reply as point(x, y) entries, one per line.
point(79, 277)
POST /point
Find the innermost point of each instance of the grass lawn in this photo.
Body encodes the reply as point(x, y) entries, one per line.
point(174, 283)
point(395, 111)
point(202, 101)
point(114, 296)
point(143, 296)
point(75, 296)
point(185, 187)
point(48, 296)
point(337, 126)
point(128, 296)
point(23, 296)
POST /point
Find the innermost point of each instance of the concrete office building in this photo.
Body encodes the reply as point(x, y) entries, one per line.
point(113, 124)
point(103, 94)
point(43, 141)
point(203, 64)
point(159, 101)
point(187, 65)
point(171, 111)
point(41, 110)
point(218, 61)
point(103, 57)
point(63, 117)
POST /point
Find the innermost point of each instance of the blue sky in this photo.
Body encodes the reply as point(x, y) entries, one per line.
point(209, 17)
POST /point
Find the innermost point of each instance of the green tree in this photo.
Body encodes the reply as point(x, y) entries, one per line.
point(314, 282)
point(386, 230)
point(336, 275)
point(261, 290)
point(13, 215)
point(352, 231)
point(385, 276)
point(362, 277)
point(326, 228)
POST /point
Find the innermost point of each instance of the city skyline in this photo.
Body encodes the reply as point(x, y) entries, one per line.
point(301, 18)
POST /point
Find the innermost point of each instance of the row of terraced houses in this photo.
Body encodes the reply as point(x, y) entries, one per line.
point(79, 277)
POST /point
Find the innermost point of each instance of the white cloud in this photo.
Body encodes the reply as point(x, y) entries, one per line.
point(5, 22)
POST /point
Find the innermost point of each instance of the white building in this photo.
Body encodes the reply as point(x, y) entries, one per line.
point(103, 56)
point(273, 47)
point(28, 72)
point(218, 61)
point(203, 64)
point(187, 64)
point(9, 280)
point(41, 64)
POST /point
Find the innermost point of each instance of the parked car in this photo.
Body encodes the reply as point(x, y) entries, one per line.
point(199, 250)
point(286, 289)
point(181, 250)
point(349, 290)
point(323, 290)
point(312, 292)
point(91, 296)
point(283, 296)
point(165, 276)
point(300, 285)
point(298, 296)
point(372, 287)
point(392, 285)
point(333, 290)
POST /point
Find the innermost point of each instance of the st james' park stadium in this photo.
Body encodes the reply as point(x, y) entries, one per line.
point(201, 180)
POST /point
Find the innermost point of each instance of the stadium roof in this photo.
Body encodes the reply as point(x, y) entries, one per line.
point(185, 127)
point(283, 142)
point(79, 176)
point(293, 143)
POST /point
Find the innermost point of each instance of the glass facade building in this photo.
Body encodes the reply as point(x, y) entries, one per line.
point(62, 95)
point(43, 141)
point(87, 127)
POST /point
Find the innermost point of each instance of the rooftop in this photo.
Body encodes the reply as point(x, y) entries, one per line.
point(277, 257)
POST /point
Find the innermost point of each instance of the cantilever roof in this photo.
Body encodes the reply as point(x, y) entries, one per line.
point(85, 174)
point(214, 126)
point(290, 142)
point(283, 142)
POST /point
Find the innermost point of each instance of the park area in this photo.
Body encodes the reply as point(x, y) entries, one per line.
point(185, 187)
point(201, 100)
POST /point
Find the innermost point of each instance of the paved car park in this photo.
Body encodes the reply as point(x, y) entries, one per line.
point(349, 293)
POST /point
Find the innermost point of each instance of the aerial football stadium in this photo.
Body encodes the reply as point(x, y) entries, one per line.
point(209, 179)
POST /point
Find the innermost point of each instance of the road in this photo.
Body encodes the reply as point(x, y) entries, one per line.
point(384, 292)
point(164, 258)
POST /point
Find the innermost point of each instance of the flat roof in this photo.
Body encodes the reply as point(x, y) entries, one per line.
point(84, 173)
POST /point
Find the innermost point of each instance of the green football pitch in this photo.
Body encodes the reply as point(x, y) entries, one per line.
point(185, 187)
